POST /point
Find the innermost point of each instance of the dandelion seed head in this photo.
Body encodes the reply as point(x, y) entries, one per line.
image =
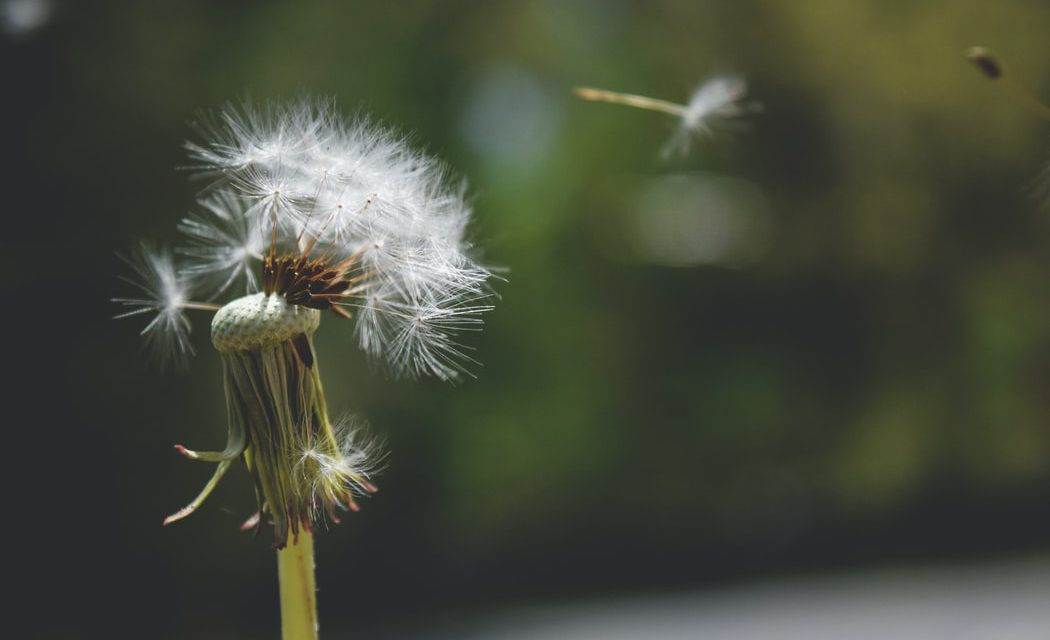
point(338, 214)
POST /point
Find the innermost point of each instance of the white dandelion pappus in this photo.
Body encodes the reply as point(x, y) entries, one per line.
point(359, 457)
point(166, 293)
point(297, 178)
point(712, 105)
point(224, 244)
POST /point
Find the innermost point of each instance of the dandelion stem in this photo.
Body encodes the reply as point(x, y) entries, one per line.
point(295, 571)
point(631, 100)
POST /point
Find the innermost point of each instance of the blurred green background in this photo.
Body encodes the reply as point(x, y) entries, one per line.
point(821, 342)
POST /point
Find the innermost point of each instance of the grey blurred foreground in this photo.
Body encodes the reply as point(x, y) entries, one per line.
point(1000, 601)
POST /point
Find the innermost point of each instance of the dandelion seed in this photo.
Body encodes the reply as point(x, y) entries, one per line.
point(337, 477)
point(165, 292)
point(715, 105)
point(995, 69)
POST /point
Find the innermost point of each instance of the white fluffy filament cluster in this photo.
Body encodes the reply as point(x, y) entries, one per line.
point(718, 103)
point(298, 178)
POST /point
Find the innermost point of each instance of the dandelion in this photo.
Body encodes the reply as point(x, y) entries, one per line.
point(309, 214)
point(713, 106)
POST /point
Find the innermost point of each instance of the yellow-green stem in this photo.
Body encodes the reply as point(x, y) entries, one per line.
point(295, 570)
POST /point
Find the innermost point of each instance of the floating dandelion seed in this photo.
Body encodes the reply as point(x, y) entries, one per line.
point(713, 106)
point(995, 69)
point(308, 214)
